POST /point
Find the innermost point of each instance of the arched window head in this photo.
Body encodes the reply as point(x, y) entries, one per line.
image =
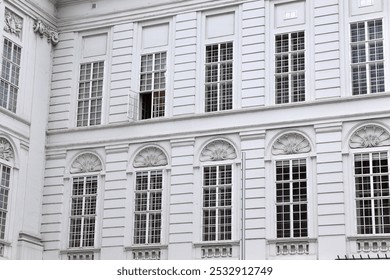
point(6, 151)
point(291, 143)
point(218, 150)
point(369, 136)
point(150, 157)
point(86, 163)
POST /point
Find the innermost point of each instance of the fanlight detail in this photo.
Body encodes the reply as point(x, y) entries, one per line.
point(291, 143)
point(150, 157)
point(370, 136)
point(6, 151)
point(86, 163)
point(218, 150)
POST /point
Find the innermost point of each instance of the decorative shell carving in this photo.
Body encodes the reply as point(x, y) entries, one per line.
point(13, 23)
point(218, 150)
point(6, 151)
point(370, 136)
point(150, 156)
point(86, 163)
point(291, 143)
point(43, 30)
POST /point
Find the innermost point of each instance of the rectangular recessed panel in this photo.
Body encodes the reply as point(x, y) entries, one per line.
point(95, 45)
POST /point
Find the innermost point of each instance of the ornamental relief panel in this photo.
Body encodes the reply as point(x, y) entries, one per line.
point(13, 23)
point(370, 136)
point(6, 151)
point(86, 163)
point(150, 157)
point(291, 143)
point(218, 150)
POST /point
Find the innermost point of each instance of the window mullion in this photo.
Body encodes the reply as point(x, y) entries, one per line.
point(217, 205)
point(219, 77)
point(147, 210)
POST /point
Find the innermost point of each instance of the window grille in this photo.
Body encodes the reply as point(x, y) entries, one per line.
point(291, 198)
point(83, 212)
point(153, 85)
point(367, 67)
point(148, 207)
point(219, 77)
point(217, 203)
point(5, 176)
point(10, 71)
point(372, 193)
point(89, 107)
point(290, 67)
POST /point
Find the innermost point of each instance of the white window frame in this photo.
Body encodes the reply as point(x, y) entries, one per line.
point(201, 63)
point(290, 73)
point(96, 215)
point(291, 202)
point(218, 207)
point(367, 63)
point(153, 90)
point(8, 82)
point(353, 205)
point(7, 200)
point(91, 80)
point(148, 212)
point(139, 51)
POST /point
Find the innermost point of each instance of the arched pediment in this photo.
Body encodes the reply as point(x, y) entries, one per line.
point(85, 163)
point(291, 143)
point(149, 157)
point(6, 150)
point(218, 150)
point(369, 136)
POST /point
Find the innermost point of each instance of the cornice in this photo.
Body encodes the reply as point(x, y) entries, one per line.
point(139, 14)
point(34, 11)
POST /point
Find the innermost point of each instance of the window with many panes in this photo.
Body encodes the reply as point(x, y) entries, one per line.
point(372, 192)
point(5, 175)
point(367, 58)
point(152, 85)
point(290, 67)
point(90, 95)
point(9, 80)
point(291, 198)
point(83, 212)
point(217, 203)
point(148, 207)
point(219, 77)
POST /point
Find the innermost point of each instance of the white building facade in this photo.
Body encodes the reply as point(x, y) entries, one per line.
point(230, 129)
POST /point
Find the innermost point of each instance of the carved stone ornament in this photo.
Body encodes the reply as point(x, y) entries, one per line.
point(370, 136)
point(218, 150)
point(291, 143)
point(150, 157)
point(6, 151)
point(43, 30)
point(13, 23)
point(86, 163)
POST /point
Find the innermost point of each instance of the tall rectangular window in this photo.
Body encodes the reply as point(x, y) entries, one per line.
point(148, 207)
point(9, 80)
point(219, 77)
point(291, 198)
point(152, 85)
point(217, 203)
point(89, 106)
point(290, 67)
point(5, 174)
point(368, 75)
point(83, 212)
point(372, 193)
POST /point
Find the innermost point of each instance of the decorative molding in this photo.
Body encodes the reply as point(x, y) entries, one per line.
point(43, 30)
point(13, 23)
point(149, 157)
point(369, 136)
point(6, 151)
point(291, 143)
point(218, 150)
point(86, 163)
